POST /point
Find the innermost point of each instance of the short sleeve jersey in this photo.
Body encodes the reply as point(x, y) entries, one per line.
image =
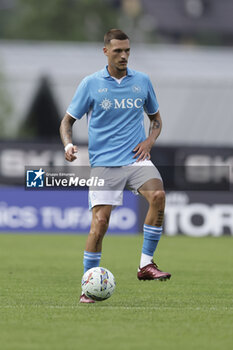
point(114, 114)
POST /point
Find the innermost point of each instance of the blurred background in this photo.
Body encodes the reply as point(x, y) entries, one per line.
point(185, 46)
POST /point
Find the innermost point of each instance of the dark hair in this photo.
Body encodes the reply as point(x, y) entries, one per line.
point(114, 34)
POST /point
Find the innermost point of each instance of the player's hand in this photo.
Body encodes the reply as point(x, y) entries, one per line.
point(143, 150)
point(70, 154)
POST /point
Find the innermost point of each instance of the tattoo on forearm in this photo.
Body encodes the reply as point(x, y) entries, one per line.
point(66, 132)
point(155, 124)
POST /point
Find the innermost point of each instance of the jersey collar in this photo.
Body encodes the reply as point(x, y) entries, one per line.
point(107, 75)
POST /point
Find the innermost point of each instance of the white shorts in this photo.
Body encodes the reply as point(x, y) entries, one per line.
point(116, 179)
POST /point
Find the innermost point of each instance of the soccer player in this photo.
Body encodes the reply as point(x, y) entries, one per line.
point(114, 100)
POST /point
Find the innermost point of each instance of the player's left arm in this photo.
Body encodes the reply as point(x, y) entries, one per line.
point(143, 148)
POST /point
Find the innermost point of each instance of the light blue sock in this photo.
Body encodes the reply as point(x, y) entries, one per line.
point(152, 236)
point(91, 260)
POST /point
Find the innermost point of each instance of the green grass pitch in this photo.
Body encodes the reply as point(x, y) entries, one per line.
point(40, 287)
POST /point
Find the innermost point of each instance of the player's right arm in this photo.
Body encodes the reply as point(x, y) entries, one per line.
point(66, 137)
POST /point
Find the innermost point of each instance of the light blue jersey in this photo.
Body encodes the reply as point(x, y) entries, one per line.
point(114, 114)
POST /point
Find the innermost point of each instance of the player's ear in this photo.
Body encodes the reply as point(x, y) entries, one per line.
point(105, 51)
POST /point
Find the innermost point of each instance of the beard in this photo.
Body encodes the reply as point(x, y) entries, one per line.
point(121, 69)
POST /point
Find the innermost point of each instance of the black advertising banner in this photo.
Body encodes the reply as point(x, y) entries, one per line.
point(181, 167)
point(186, 168)
point(15, 156)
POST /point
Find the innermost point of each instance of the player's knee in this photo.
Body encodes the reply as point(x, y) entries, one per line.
point(102, 222)
point(157, 198)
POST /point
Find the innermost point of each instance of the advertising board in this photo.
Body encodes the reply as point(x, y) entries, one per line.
point(59, 211)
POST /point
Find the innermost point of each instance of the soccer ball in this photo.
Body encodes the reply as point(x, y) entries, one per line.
point(98, 283)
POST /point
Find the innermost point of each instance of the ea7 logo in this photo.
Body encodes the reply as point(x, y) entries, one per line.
point(128, 103)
